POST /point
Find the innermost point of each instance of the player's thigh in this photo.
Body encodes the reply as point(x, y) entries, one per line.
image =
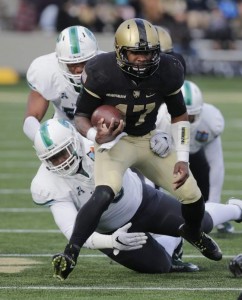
point(160, 171)
point(110, 165)
point(151, 258)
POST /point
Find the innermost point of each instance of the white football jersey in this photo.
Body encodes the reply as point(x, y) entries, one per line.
point(45, 77)
point(209, 125)
point(48, 188)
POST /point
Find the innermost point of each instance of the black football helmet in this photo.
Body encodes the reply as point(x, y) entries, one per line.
point(137, 35)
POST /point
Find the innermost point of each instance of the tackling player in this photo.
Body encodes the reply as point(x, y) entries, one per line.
point(56, 77)
point(206, 153)
point(64, 182)
point(138, 80)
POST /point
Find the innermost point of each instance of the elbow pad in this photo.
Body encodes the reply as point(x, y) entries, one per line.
point(30, 127)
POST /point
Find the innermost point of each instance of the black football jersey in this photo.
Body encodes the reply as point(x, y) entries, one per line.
point(139, 99)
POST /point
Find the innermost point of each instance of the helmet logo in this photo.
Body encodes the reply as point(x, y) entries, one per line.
point(136, 94)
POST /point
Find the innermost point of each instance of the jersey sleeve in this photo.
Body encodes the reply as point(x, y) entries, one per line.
point(40, 76)
point(214, 119)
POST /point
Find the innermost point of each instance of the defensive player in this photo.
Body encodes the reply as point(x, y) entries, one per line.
point(206, 153)
point(56, 77)
point(65, 181)
point(137, 79)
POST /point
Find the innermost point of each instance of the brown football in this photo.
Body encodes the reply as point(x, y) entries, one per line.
point(107, 112)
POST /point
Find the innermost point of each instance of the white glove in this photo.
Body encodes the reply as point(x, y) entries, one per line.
point(126, 241)
point(161, 143)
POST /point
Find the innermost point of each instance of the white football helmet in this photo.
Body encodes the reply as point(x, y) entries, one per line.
point(75, 44)
point(56, 140)
point(193, 97)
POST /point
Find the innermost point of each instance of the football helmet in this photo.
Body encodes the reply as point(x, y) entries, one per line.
point(166, 44)
point(193, 98)
point(75, 44)
point(137, 35)
point(57, 140)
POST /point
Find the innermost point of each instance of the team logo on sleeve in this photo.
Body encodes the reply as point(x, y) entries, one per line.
point(91, 153)
point(201, 136)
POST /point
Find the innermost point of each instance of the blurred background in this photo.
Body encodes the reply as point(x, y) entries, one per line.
point(208, 33)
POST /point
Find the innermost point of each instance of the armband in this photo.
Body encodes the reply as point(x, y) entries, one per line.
point(99, 241)
point(181, 137)
point(91, 134)
point(30, 127)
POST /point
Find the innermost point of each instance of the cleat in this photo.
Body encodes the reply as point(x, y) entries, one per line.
point(179, 266)
point(237, 202)
point(63, 266)
point(225, 227)
point(204, 243)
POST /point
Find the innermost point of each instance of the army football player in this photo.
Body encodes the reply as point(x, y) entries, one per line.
point(137, 79)
point(64, 182)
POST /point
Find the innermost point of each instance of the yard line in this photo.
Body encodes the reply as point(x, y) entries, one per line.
point(115, 288)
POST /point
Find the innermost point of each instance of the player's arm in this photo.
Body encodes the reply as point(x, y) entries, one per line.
point(36, 108)
point(180, 129)
point(86, 104)
point(64, 213)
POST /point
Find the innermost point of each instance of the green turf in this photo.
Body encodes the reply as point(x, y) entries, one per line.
point(95, 277)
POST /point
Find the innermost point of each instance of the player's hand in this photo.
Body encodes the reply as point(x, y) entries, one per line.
point(160, 143)
point(180, 174)
point(127, 241)
point(107, 134)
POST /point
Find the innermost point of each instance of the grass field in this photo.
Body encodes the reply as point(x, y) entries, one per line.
point(29, 236)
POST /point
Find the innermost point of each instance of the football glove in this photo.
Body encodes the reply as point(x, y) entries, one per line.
point(161, 143)
point(235, 265)
point(127, 241)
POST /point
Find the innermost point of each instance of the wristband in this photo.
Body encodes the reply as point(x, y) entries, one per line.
point(99, 241)
point(91, 134)
point(181, 137)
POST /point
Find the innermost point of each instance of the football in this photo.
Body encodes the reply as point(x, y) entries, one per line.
point(107, 112)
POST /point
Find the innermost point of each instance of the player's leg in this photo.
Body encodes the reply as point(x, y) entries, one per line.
point(174, 247)
point(161, 172)
point(151, 258)
point(200, 170)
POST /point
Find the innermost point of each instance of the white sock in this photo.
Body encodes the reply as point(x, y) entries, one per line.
point(168, 242)
point(221, 213)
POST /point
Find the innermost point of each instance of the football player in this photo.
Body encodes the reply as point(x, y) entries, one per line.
point(166, 45)
point(206, 153)
point(64, 183)
point(56, 77)
point(137, 78)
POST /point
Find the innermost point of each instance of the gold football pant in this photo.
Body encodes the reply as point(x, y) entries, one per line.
point(132, 151)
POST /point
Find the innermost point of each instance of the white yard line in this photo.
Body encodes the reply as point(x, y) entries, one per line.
point(98, 288)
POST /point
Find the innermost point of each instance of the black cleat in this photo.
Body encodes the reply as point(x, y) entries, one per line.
point(204, 243)
point(63, 265)
point(179, 266)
